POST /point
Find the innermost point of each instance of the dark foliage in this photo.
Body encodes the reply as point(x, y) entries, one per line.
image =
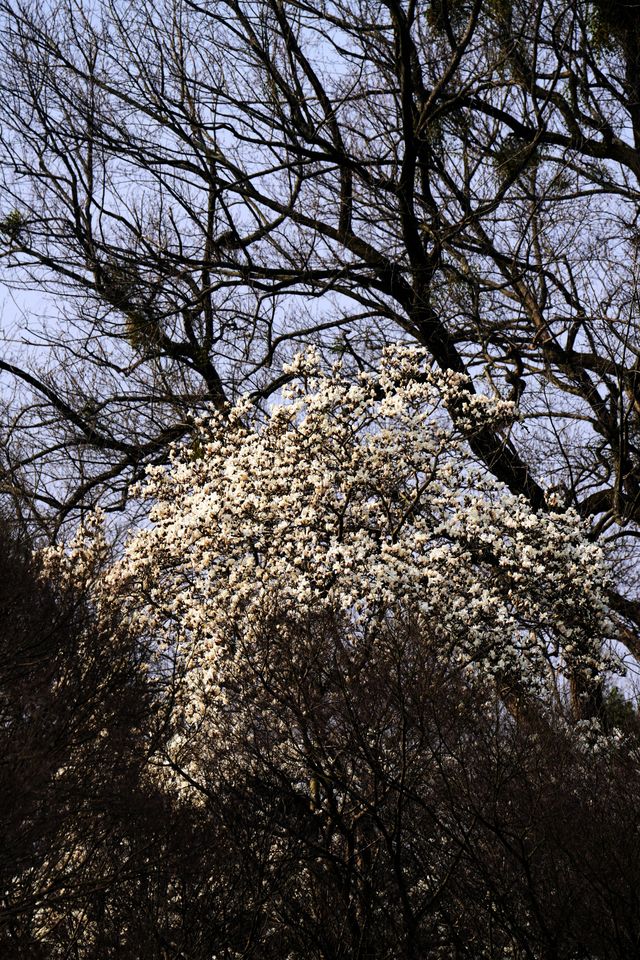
point(430, 823)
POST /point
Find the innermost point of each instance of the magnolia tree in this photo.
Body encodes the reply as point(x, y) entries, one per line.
point(357, 502)
point(360, 648)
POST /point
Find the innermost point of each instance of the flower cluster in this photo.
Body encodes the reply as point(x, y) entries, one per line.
point(357, 500)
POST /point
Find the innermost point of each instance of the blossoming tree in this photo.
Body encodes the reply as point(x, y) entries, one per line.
point(360, 644)
point(358, 502)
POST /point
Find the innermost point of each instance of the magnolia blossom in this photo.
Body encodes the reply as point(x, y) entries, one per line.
point(360, 501)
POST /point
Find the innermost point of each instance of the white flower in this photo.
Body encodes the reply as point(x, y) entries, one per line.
point(357, 500)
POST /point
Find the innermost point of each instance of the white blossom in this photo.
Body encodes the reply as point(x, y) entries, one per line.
point(359, 500)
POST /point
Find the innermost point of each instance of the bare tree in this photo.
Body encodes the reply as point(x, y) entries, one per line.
point(204, 186)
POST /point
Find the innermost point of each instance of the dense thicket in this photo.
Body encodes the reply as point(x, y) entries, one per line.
point(72, 702)
point(432, 822)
